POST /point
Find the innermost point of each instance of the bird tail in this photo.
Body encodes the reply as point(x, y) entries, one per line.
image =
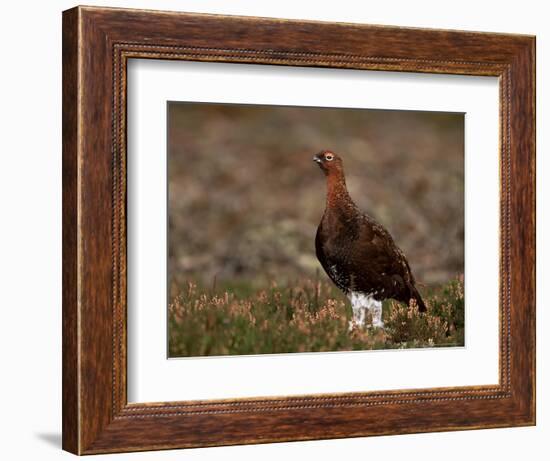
point(419, 301)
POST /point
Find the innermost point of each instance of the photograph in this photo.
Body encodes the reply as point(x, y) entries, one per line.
point(313, 229)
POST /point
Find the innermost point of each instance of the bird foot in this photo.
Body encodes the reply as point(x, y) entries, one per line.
point(352, 324)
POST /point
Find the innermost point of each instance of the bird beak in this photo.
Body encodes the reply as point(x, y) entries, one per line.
point(316, 159)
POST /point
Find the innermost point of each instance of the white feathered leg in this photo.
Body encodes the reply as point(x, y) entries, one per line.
point(358, 316)
point(360, 305)
point(376, 311)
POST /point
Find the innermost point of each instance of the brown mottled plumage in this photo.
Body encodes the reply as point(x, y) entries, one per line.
point(357, 253)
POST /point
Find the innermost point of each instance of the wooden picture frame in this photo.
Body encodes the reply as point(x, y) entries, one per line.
point(97, 43)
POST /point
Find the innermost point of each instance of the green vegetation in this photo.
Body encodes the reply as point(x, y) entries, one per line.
point(308, 316)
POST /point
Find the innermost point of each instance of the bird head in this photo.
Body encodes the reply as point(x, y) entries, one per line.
point(328, 161)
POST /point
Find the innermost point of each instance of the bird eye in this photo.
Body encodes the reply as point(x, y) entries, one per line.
point(329, 157)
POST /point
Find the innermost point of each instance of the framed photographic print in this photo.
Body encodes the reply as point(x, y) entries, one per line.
point(283, 230)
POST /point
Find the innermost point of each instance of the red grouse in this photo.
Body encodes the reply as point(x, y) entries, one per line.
point(357, 253)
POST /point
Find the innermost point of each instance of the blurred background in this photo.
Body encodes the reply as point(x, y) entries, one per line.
point(245, 197)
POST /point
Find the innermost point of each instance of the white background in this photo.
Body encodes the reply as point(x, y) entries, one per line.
point(30, 247)
point(153, 378)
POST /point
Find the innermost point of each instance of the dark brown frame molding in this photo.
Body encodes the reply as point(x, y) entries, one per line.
point(97, 43)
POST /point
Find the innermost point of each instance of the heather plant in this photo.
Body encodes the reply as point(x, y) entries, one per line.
point(306, 316)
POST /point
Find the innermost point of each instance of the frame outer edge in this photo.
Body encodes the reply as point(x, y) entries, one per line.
point(70, 273)
point(525, 163)
point(533, 69)
point(523, 233)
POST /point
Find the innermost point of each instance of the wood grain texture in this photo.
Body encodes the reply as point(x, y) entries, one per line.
point(70, 383)
point(97, 43)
